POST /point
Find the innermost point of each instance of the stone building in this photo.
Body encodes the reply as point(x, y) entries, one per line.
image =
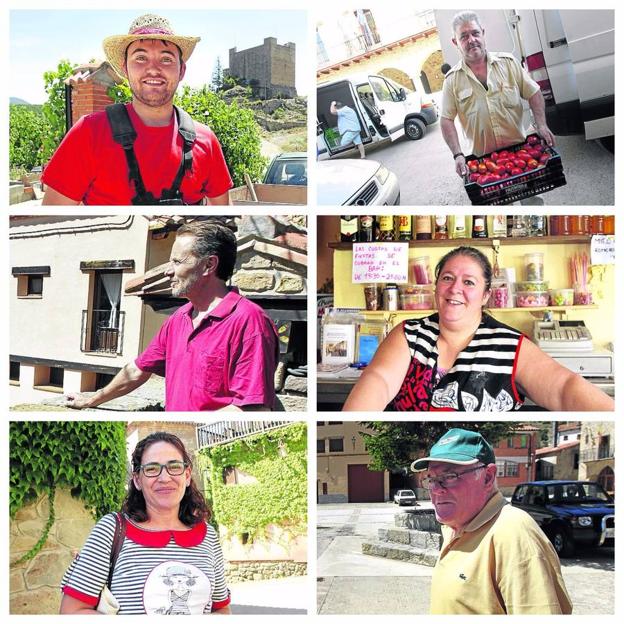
point(269, 69)
point(597, 453)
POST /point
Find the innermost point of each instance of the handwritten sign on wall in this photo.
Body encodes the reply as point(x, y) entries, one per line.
point(380, 262)
point(603, 249)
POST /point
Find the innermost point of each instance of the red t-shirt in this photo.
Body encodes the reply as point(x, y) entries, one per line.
point(230, 359)
point(88, 166)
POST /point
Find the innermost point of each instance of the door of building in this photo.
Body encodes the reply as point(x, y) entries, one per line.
point(364, 485)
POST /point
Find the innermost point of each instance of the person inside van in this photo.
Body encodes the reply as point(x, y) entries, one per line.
point(485, 90)
point(348, 126)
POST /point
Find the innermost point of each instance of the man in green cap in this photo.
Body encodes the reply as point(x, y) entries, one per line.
point(494, 558)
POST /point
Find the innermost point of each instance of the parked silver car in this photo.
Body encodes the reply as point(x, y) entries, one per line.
point(356, 182)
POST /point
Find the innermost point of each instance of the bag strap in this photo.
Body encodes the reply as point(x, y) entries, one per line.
point(186, 129)
point(125, 135)
point(118, 539)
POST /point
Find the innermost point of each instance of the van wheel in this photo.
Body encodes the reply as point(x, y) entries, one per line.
point(562, 542)
point(415, 129)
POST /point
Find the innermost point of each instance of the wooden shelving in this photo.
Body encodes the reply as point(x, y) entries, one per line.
point(480, 242)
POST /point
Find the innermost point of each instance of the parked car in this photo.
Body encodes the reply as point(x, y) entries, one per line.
point(569, 512)
point(356, 182)
point(288, 168)
point(405, 497)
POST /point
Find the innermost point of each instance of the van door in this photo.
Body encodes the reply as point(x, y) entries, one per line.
point(328, 137)
point(591, 41)
point(390, 104)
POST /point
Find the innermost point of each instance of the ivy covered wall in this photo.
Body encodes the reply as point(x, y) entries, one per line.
point(276, 461)
point(88, 458)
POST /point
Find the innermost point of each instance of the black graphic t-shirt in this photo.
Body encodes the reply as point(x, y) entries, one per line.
point(482, 378)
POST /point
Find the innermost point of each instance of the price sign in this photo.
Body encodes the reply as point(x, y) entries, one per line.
point(375, 263)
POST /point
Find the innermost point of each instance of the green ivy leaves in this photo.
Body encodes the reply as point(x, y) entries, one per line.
point(278, 461)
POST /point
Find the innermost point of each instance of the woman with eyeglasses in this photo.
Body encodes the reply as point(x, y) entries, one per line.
point(169, 560)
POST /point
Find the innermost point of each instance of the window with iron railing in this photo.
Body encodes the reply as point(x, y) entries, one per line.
point(102, 331)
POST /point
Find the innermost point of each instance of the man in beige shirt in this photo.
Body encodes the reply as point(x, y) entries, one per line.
point(485, 90)
point(495, 559)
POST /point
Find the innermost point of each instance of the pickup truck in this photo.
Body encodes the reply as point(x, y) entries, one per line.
point(569, 512)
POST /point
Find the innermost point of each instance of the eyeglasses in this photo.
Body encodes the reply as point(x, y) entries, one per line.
point(174, 467)
point(447, 480)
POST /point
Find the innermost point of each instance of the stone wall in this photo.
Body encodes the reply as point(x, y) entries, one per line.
point(240, 571)
point(269, 68)
point(34, 586)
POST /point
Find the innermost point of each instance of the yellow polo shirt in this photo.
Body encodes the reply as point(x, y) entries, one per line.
point(501, 563)
point(492, 117)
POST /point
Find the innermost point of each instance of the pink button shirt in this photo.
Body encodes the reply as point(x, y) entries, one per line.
point(230, 359)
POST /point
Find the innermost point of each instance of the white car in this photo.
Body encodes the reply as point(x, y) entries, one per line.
point(405, 497)
point(356, 182)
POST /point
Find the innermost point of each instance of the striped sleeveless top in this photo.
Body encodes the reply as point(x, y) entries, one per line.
point(482, 378)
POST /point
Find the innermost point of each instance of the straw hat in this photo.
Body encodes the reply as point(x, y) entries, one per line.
point(147, 26)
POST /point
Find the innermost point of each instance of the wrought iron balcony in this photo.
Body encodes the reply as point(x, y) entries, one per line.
point(226, 431)
point(598, 453)
point(102, 331)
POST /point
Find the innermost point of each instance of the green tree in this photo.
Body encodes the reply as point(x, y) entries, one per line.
point(394, 445)
point(120, 92)
point(217, 75)
point(235, 127)
point(27, 131)
point(54, 108)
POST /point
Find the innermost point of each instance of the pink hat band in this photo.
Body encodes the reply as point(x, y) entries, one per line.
point(151, 31)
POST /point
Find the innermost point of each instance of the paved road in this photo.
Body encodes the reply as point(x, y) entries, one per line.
point(285, 596)
point(427, 176)
point(350, 582)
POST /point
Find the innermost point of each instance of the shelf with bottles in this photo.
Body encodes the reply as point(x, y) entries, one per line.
point(525, 240)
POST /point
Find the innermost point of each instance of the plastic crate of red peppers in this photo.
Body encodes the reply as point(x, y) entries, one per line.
point(514, 173)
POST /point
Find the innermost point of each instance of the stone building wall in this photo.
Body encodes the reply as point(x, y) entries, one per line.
point(240, 571)
point(270, 68)
point(34, 586)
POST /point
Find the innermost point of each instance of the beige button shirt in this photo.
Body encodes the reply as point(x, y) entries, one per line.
point(492, 117)
point(501, 563)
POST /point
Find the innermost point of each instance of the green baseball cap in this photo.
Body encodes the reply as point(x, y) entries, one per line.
point(458, 446)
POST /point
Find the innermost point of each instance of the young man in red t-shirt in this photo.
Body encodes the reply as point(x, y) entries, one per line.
point(90, 167)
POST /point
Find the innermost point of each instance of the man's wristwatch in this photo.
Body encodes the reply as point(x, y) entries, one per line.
point(458, 154)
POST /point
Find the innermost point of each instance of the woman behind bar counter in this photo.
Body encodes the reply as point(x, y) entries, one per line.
point(461, 359)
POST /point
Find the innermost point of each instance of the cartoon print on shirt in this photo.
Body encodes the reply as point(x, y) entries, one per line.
point(176, 588)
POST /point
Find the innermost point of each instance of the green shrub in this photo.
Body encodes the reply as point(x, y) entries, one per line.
point(27, 131)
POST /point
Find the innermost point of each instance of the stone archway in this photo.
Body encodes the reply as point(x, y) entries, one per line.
point(431, 69)
point(399, 76)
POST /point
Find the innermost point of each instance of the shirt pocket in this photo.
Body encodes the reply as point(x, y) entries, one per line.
point(510, 97)
point(212, 373)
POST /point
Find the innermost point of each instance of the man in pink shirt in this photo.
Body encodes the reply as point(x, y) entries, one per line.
point(220, 350)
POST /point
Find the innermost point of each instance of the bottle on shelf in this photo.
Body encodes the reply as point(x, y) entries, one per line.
point(538, 225)
point(366, 232)
point(441, 227)
point(459, 226)
point(423, 227)
point(405, 227)
point(348, 228)
point(386, 227)
point(479, 226)
point(597, 224)
point(499, 226)
point(609, 224)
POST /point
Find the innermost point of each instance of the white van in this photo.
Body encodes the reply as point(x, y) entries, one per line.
point(385, 109)
point(570, 53)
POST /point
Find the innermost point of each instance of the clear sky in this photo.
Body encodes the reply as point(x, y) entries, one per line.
point(39, 39)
